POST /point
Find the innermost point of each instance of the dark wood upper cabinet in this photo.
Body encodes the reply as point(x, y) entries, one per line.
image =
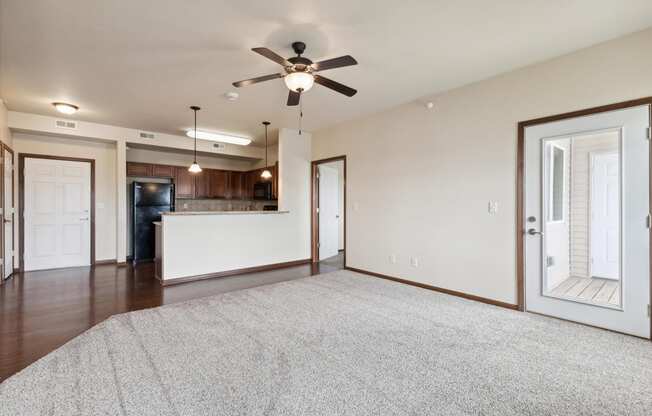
point(202, 183)
point(236, 185)
point(210, 183)
point(275, 181)
point(218, 184)
point(139, 169)
point(163, 171)
point(184, 183)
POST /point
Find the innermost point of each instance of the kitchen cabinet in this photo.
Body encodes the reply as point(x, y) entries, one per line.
point(139, 169)
point(219, 183)
point(275, 181)
point(236, 185)
point(184, 183)
point(209, 183)
point(163, 171)
point(202, 183)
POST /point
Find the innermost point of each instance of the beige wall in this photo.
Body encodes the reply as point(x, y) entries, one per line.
point(272, 157)
point(105, 181)
point(5, 134)
point(419, 180)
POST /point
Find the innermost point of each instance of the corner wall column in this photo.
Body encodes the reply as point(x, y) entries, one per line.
point(121, 193)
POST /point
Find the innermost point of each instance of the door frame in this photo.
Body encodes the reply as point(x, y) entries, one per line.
point(520, 183)
point(4, 148)
point(314, 204)
point(21, 200)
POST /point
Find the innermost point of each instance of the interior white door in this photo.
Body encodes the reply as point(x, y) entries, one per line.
point(57, 213)
point(631, 314)
point(605, 215)
point(328, 212)
point(8, 214)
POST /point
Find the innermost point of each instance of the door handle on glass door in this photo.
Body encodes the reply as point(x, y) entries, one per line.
point(532, 231)
point(83, 219)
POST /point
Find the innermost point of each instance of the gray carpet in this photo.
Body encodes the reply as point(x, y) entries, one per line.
point(336, 344)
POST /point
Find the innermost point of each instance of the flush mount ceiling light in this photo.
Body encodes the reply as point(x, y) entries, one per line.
point(218, 137)
point(65, 108)
point(195, 168)
point(266, 174)
point(300, 72)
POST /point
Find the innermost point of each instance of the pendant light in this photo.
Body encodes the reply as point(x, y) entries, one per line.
point(195, 168)
point(266, 173)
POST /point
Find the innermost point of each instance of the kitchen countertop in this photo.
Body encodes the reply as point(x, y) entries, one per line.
point(180, 213)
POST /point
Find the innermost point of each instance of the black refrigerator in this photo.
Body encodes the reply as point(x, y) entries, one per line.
point(149, 201)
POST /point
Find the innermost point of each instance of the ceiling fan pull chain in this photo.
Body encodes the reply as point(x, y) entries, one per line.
point(300, 112)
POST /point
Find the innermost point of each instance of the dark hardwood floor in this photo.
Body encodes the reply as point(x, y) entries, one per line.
point(40, 311)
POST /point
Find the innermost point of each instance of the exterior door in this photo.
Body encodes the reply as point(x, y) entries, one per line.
point(605, 215)
point(328, 212)
point(57, 214)
point(8, 214)
point(622, 305)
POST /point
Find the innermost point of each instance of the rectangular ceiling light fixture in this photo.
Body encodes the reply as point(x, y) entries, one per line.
point(219, 137)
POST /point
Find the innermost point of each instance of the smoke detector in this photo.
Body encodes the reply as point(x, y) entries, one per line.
point(231, 96)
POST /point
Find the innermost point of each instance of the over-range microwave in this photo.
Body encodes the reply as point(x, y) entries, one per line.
point(263, 190)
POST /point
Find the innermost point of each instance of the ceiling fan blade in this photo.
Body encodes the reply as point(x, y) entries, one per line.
point(256, 80)
point(272, 55)
point(335, 86)
point(294, 98)
point(346, 60)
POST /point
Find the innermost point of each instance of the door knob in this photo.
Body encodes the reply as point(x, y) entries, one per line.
point(532, 231)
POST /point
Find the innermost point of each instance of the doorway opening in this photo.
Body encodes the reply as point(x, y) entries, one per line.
point(584, 217)
point(328, 220)
point(57, 212)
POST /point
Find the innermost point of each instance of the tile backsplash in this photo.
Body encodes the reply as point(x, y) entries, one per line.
point(220, 205)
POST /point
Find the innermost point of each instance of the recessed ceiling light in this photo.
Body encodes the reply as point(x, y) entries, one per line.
point(219, 137)
point(65, 108)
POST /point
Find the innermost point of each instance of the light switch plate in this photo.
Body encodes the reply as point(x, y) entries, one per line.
point(492, 207)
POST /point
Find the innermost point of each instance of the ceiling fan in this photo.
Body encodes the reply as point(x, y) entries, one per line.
point(300, 73)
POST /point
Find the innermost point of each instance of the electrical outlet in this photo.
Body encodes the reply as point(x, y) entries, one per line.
point(392, 258)
point(414, 262)
point(185, 205)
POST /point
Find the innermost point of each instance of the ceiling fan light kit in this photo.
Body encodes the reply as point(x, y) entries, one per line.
point(300, 73)
point(302, 81)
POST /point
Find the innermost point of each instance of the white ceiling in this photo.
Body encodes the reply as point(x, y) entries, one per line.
point(140, 64)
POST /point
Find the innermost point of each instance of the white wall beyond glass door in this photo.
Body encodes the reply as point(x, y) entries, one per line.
point(586, 220)
point(57, 213)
